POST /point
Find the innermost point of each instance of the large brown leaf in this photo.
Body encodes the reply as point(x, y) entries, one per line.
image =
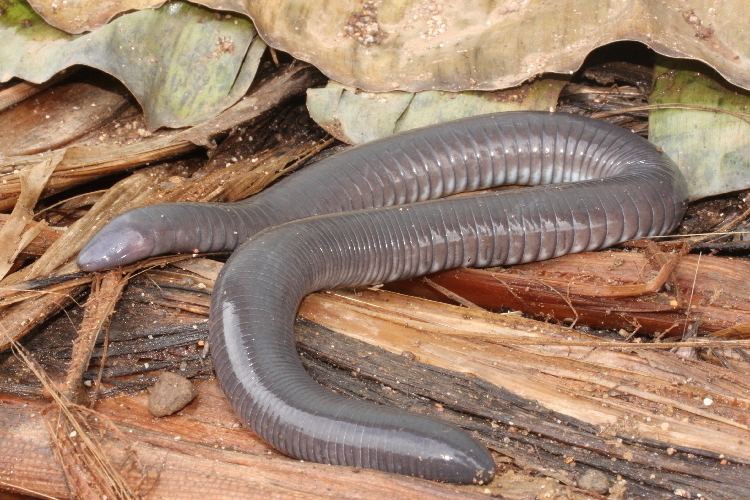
point(465, 45)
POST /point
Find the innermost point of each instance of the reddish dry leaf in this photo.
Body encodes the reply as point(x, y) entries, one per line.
point(711, 292)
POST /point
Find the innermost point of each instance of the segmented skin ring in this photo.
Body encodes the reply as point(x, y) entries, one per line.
point(362, 217)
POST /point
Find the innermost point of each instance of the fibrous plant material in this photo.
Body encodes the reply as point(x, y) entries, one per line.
point(546, 397)
point(19, 230)
point(25, 309)
point(83, 163)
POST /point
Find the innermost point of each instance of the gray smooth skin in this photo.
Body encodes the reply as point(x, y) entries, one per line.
point(620, 188)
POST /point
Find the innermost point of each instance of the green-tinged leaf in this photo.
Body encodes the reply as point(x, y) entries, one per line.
point(356, 117)
point(183, 63)
point(710, 143)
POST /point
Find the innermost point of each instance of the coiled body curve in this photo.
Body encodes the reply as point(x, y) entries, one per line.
point(597, 185)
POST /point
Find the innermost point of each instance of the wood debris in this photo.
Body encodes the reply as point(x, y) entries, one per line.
point(611, 289)
point(656, 405)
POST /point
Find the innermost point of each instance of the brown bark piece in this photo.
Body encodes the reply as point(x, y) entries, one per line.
point(17, 320)
point(625, 401)
point(29, 465)
point(13, 93)
point(712, 291)
point(57, 116)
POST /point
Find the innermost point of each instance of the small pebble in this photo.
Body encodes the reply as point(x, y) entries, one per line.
point(594, 480)
point(170, 394)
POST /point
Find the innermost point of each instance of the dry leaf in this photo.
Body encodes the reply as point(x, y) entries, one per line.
point(20, 229)
point(463, 45)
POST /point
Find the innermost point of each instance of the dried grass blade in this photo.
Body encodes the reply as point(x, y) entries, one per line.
point(19, 230)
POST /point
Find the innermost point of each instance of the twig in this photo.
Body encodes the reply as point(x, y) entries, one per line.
point(564, 298)
point(451, 295)
point(100, 372)
point(606, 344)
point(21, 489)
point(743, 329)
point(105, 293)
point(692, 290)
point(67, 200)
point(691, 107)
